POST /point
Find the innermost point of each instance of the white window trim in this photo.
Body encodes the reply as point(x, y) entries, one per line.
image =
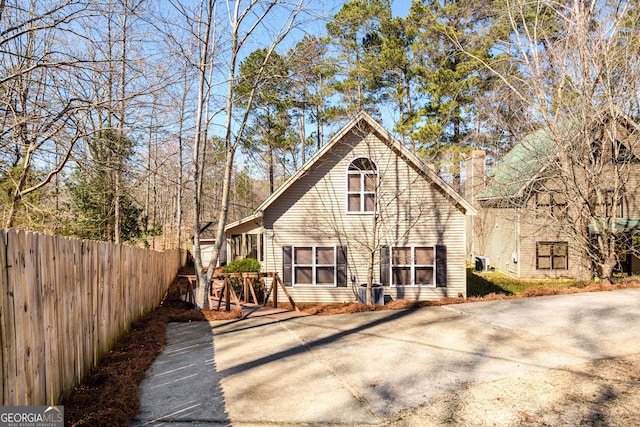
point(412, 265)
point(362, 192)
point(313, 266)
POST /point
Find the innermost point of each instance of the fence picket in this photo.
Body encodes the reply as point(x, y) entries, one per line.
point(49, 317)
point(63, 279)
point(4, 268)
point(15, 362)
point(34, 359)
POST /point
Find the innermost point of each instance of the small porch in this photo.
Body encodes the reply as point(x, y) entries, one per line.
point(245, 239)
point(245, 245)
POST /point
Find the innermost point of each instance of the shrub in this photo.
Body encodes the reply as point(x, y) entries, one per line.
point(246, 265)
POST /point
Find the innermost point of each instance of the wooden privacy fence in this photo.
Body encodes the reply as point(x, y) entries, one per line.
point(63, 304)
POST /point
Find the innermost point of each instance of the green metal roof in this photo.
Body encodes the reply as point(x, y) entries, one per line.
point(623, 225)
point(520, 166)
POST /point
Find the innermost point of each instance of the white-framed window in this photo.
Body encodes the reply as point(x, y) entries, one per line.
point(552, 255)
point(413, 265)
point(362, 186)
point(314, 265)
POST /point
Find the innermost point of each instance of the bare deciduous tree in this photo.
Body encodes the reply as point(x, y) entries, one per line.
point(578, 78)
point(41, 118)
point(242, 23)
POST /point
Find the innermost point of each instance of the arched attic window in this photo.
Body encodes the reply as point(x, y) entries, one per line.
point(362, 186)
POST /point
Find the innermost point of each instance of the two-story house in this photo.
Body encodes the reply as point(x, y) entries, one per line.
point(526, 222)
point(363, 207)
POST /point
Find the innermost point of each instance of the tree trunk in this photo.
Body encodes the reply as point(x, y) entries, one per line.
point(201, 284)
point(607, 270)
point(302, 135)
point(183, 105)
point(373, 248)
point(271, 171)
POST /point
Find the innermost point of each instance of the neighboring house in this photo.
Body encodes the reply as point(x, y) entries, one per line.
point(208, 242)
point(363, 201)
point(522, 223)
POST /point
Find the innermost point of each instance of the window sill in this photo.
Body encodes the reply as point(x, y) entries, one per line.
point(314, 286)
point(361, 213)
point(413, 286)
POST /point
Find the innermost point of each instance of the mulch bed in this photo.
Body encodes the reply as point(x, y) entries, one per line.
point(109, 395)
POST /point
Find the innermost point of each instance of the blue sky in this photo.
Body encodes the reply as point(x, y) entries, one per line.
point(401, 7)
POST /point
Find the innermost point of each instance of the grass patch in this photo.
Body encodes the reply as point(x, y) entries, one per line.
point(483, 284)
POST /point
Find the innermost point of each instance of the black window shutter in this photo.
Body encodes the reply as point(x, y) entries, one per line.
point(441, 266)
point(384, 266)
point(341, 266)
point(287, 266)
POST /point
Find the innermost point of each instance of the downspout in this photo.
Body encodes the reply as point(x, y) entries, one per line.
point(516, 244)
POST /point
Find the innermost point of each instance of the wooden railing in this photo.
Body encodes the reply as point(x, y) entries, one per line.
point(63, 304)
point(228, 294)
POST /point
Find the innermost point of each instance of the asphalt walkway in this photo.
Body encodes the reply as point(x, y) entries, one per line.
point(362, 369)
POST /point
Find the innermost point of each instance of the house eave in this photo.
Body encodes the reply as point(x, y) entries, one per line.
point(256, 218)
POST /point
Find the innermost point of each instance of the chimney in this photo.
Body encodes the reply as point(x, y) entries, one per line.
point(475, 174)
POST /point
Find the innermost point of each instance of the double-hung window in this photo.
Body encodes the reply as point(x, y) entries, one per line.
point(314, 265)
point(413, 265)
point(552, 255)
point(362, 185)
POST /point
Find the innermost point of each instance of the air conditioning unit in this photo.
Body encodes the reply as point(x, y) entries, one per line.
point(482, 263)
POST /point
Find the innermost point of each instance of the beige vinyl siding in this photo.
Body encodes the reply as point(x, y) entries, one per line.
point(534, 230)
point(631, 204)
point(412, 212)
point(496, 239)
point(509, 230)
point(249, 227)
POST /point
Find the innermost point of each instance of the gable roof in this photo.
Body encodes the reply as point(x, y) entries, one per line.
point(386, 137)
point(520, 166)
point(529, 158)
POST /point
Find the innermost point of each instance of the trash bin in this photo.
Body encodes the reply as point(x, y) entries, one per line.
point(377, 294)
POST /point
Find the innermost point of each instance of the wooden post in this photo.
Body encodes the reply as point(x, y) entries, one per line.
point(286, 292)
point(253, 294)
point(245, 288)
point(274, 287)
point(222, 291)
point(227, 293)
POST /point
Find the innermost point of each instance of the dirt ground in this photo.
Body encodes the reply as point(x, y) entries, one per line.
point(603, 393)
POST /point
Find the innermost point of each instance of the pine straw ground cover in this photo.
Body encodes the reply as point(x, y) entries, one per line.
point(109, 395)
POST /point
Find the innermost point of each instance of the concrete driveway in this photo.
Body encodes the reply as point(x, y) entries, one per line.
point(362, 369)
